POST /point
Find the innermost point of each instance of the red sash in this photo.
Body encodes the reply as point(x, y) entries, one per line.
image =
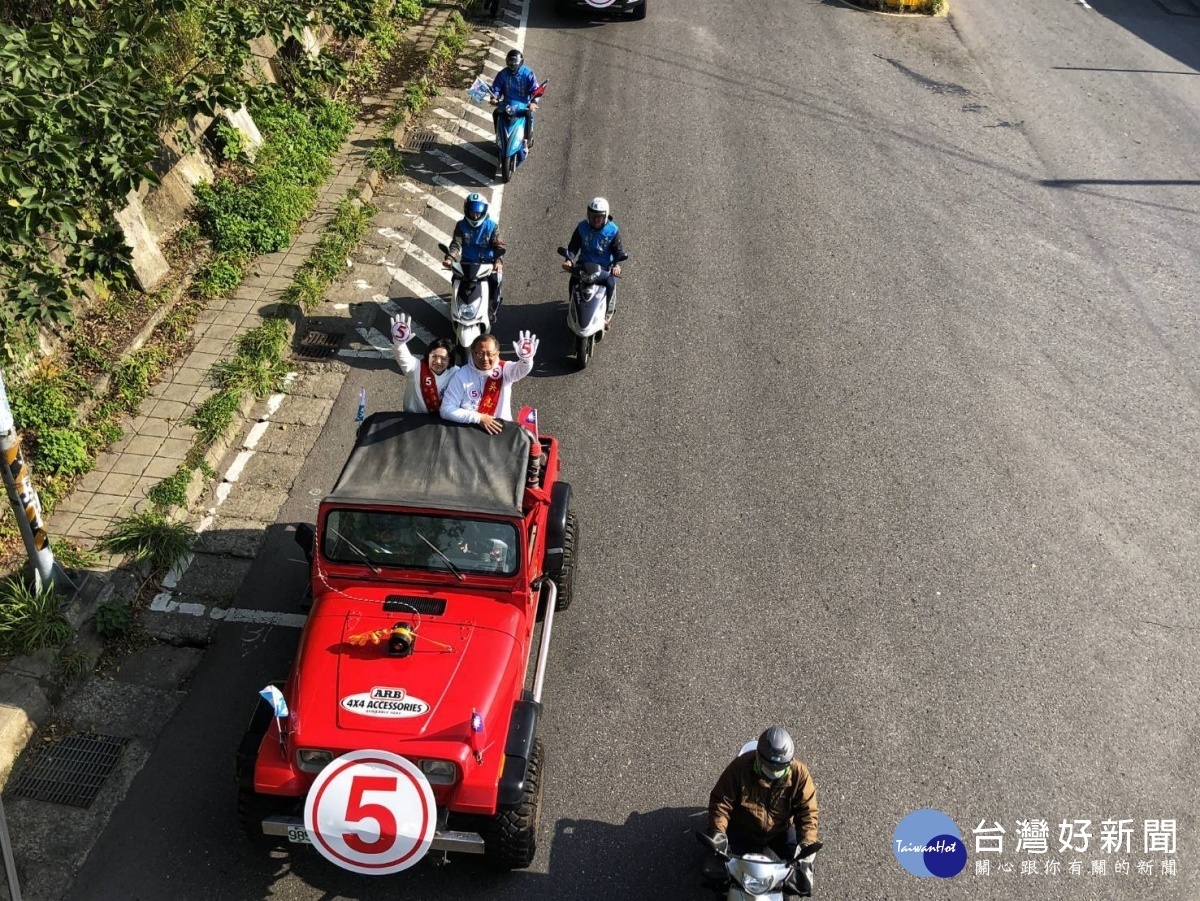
point(429, 391)
point(490, 401)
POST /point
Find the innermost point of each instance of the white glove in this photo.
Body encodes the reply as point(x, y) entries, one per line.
point(402, 329)
point(526, 346)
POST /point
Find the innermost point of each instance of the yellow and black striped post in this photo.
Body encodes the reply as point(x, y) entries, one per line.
point(27, 508)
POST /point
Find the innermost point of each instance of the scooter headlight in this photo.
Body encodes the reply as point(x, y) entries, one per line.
point(757, 885)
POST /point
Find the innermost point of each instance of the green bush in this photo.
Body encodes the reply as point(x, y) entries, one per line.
point(220, 277)
point(132, 378)
point(113, 619)
point(41, 404)
point(29, 620)
point(171, 491)
point(150, 539)
point(266, 342)
point(213, 417)
point(63, 452)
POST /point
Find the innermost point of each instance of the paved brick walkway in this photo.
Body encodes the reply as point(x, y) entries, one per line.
point(158, 438)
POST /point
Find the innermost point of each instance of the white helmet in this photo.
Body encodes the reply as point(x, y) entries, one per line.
point(597, 212)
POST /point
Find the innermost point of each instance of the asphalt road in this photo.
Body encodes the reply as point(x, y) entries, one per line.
point(894, 442)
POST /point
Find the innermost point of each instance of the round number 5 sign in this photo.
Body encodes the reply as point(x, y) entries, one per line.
point(371, 812)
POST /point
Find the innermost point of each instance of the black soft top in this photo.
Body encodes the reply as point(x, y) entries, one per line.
point(418, 460)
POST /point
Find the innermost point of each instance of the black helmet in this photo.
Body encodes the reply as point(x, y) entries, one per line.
point(775, 752)
point(514, 60)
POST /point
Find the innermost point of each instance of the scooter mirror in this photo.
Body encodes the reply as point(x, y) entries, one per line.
point(444, 249)
point(719, 846)
point(562, 252)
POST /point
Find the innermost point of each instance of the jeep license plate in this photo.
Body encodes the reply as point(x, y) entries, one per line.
point(298, 835)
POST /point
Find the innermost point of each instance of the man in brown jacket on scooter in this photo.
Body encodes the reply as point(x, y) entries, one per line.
point(761, 794)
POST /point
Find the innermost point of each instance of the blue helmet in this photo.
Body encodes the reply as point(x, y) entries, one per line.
point(475, 208)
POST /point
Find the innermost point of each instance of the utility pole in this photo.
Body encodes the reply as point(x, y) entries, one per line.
point(27, 508)
point(10, 865)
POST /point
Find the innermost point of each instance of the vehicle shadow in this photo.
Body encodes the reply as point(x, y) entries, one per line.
point(650, 855)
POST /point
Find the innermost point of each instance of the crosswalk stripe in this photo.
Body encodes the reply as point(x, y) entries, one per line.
point(460, 168)
point(463, 145)
point(420, 290)
point(471, 106)
point(432, 230)
point(463, 123)
point(433, 201)
point(452, 187)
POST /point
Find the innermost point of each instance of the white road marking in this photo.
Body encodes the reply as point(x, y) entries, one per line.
point(163, 603)
point(432, 230)
point(453, 188)
point(234, 472)
point(422, 291)
point(255, 435)
point(463, 123)
point(375, 338)
point(462, 168)
point(433, 201)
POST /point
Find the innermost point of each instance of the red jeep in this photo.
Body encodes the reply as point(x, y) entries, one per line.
point(434, 557)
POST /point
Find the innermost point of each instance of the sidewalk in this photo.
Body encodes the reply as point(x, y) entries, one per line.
point(158, 438)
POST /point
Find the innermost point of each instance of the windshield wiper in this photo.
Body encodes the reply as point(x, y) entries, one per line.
point(365, 559)
point(433, 547)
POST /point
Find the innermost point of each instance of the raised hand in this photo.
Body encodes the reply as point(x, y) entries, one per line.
point(402, 329)
point(526, 346)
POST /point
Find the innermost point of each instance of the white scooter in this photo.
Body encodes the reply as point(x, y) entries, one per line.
point(586, 305)
point(761, 875)
point(470, 301)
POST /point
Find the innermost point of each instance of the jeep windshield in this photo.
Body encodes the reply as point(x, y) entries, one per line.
point(413, 541)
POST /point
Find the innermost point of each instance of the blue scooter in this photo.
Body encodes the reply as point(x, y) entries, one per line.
point(510, 136)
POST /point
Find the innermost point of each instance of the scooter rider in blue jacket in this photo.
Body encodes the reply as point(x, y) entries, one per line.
point(597, 240)
point(515, 81)
point(476, 240)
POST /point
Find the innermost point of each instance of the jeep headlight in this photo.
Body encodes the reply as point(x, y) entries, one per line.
point(439, 772)
point(313, 760)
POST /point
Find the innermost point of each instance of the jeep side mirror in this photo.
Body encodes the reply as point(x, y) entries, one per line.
point(306, 537)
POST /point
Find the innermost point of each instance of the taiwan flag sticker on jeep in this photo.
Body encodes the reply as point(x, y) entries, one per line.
point(388, 703)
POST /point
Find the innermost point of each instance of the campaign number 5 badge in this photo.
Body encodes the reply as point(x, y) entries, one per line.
point(371, 812)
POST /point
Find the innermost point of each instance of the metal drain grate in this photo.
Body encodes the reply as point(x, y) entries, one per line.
point(318, 345)
point(69, 771)
point(419, 139)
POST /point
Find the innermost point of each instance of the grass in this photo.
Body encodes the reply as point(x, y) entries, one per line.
point(150, 540)
point(31, 620)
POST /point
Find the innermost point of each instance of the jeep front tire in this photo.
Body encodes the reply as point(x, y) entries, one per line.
point(510, 840)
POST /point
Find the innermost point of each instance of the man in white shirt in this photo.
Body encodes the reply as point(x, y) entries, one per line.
point(427, 378)
point(481, 391)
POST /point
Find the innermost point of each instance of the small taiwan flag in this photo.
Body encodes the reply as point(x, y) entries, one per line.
point(528, 418)
point(274, 697)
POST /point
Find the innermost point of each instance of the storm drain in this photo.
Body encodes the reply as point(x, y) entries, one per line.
point(318, 345)
point(68, 771)
point(419, 139)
